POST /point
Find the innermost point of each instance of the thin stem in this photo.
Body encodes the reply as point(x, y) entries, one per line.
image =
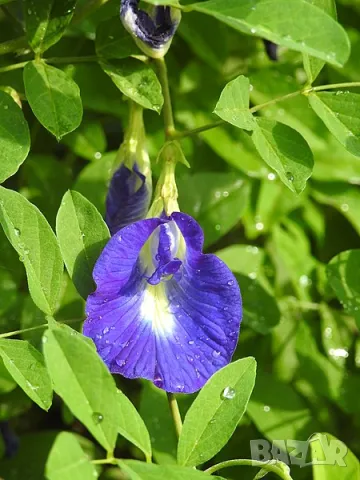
point(104, 461)
point(305, 91)
point(334, 85)
point(174, 409)
point(12, 45)
point(167, 109)
point(53, 61)
point(269, 467)
point(38, 327)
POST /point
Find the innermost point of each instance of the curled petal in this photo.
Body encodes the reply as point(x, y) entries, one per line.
point(128, 198)
point(175, 332)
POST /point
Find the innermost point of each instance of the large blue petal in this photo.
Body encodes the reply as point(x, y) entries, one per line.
point(128, 198)
point(176, 333)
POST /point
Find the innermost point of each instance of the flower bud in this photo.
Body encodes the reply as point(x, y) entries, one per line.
point(152, 32)
point(130, 188)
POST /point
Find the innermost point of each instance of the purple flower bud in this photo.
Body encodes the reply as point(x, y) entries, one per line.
point(153, 33)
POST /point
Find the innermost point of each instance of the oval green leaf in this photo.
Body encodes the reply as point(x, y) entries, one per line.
point(113, 41)
point(14, 137)
point(284, 150)
point(340, 111)
point(295, 24)
point(137, 81)
point(46, 21)
point(82, 235)
point(233, 105)
point(53, 97)
point(35, 242)
point(67, 460)
point(343, 275)
point(27, 367)
point(216, 411)
point(83, 381)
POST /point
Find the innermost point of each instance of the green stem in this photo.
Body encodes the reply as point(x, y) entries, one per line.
point(38, 327)
point(12, 45)
point(331, 86)
point(269, 467)
point(167, 109)
point(104, 461)
point(53, 61)
point(305, 91)
point(174, 409)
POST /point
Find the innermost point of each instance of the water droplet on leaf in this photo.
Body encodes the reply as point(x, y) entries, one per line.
point(228, 393)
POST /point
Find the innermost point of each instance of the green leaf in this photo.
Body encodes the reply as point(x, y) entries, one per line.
point(343, 275)
point(260, 310)
point(313, 66)
point(35, 242)
point(233, 105)
point(137, 81)
point(14, 137)
point(53, 97)
point(46, 21)
point(284, 150)
point(13, 404)
point(340, 111)
point(83, 381)
point(67, 461)
point(216, 200)
point(7, 383)
point(27, 367)
point(244, 259)
point(88, 141)
point(82, 235)
point(295, 24)
point(145, 471)
point(214, 415)
point(131, 425)
point(113, 41)
point(339, 463)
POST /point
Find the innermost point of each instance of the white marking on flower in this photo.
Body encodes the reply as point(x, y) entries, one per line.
point(155, 309)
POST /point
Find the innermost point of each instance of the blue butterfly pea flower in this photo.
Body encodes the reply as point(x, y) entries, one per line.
point(152, 33)
point(129, 194)
point(163, 310)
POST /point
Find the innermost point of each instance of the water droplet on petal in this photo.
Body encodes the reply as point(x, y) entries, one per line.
point(216, 354)
point(191, 342)
point(230, 282)
point(97, 418)
point(106, 330)
point(228, 393)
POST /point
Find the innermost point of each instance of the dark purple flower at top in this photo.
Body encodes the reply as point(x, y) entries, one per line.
point(152, 33)
point(163, 310)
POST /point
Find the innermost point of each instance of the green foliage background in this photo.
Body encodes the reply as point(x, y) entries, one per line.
point(275, 188)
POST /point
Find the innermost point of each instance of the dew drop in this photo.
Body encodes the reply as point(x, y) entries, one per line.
point(267, 408)
point(97, 418)
point(6, 107)
point(328, 332)
point(97, 155)
point(106, 330)
point(191, 342)
point(289, 176)
point(253, 30)
point(345, 207)
point(271, 177)
point(228, 393)
point(230, 282)
point(252, 275)
point(17, 232)
point(259, 226)
point(217, 227)
point(44, 339)
point(216, 354)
